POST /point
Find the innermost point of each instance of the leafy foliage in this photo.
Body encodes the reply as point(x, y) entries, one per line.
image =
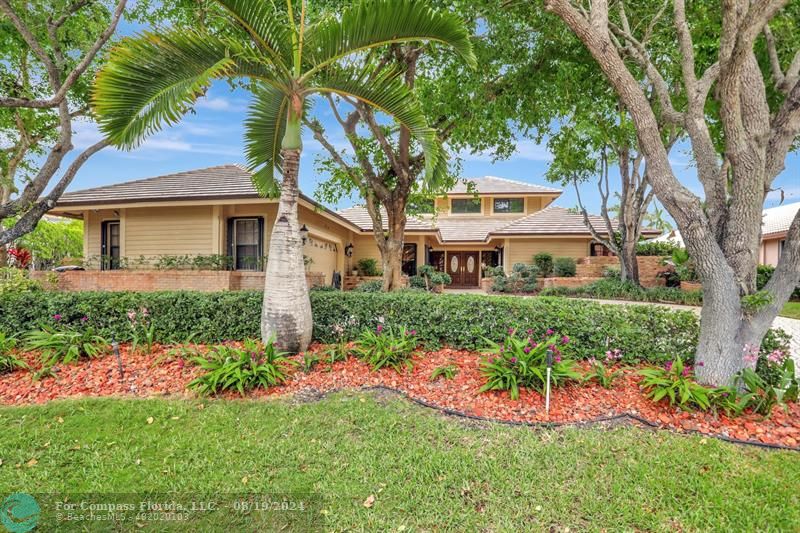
point(62, 344)
point(387, 347)
point(764, 273)
point(373, 285)
point(769, 389)
point(444, 371)
point(521, 279)
point(656, 248)
point(241, 369)
point(429, 278)
point(544, 262)
point(564, 267)
point(519, 362)
point(368, 266)
point(600, 373)
point(675, 381)
point(17, 280)
point(8, 361)
point(612, 288)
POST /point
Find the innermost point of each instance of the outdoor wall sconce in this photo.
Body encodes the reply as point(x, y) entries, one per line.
point(348, 250)
point(304, 233)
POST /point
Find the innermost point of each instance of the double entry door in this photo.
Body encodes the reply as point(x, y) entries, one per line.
point(464, 268)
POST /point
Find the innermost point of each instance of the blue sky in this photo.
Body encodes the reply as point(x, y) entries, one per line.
point(213, 136)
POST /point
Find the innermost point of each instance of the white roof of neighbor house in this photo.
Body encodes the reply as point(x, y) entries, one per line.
point(495, 185)
point(673, 236)
point(778, 219)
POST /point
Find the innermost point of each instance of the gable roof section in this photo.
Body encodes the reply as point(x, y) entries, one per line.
point(776, 220)
point(558, 221)
point(224, 181)
point(495, 185)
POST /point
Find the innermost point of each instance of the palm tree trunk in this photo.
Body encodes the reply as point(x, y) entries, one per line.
point(286, 315)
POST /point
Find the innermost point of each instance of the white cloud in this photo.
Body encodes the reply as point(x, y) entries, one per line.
point(215, 104)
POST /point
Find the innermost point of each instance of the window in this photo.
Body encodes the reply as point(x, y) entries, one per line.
point(465, 205)
point(410, 259)
point(245, 242)
point(509, 205)
point(110, 245)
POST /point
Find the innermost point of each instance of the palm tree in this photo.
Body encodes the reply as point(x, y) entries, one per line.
point(151, 80)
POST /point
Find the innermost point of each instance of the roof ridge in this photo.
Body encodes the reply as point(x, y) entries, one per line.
point(516, 182)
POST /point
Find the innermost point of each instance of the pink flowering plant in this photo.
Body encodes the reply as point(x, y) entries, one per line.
point(601, 369)
point(241, 369)
point(143, 329)
point(387, 347)
point(773, 384)
point(520, 361)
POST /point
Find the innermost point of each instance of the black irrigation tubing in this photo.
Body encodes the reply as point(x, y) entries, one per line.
point(553, 425)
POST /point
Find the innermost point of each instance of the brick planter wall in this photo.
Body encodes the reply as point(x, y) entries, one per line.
point(163, 280)
point(649, 267)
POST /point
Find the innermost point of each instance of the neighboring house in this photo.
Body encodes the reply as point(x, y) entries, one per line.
point(217, 212)
point(774, 227)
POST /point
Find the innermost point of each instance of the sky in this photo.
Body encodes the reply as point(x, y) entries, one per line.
point(212, 135)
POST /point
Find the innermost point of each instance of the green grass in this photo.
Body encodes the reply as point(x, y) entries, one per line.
point(425, 471)
point(791, 310)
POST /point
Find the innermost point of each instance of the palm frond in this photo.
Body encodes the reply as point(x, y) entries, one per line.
point(264, 129)
point(386, 92)
point(151, 80)
point(372, 23)
point(266, 26)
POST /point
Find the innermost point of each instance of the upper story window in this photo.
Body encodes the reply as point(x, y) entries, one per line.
point(509, 205)
point(465, 205)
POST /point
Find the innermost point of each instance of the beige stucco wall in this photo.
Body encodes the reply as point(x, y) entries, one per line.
point(770, 251)
point(522, 250)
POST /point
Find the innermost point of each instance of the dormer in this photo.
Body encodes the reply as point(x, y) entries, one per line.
point(491, 196)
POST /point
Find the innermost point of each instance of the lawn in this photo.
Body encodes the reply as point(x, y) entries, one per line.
point(791, 310)
point(419, 470)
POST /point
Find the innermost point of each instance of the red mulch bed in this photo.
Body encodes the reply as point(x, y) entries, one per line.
point(157, 374)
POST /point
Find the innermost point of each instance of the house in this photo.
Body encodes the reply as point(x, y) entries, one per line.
point(775, 224)
point(774, 227)
point(213, 213)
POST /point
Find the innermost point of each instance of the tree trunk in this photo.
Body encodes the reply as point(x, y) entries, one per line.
point(629, 267)
point(392, 257)
point(286, 315)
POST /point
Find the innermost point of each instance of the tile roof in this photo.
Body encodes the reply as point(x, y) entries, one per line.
point(456, 229)
point(224, 181)
point(493, 184)
point(558, 220)
point(778, 219)
point(359, 216)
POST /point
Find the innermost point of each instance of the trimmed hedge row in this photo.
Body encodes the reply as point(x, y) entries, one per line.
point(459, 321)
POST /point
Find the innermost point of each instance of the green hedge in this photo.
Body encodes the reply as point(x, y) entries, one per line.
point(460, 321)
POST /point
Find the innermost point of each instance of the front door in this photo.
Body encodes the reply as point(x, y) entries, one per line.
point(464, 268)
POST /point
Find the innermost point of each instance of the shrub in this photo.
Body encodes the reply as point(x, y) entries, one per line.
point(384, 347)
point(766, 389)
point(675, 381)
point(544, 262)
point(521, 279)
point(564, 267)
point(444, 371)
point(522, 362)
point(241, 369)
point(658, 248)
point(17, 280)
point(612, 272)
point(8, 361)
point(610, 288)
point(64, 344)
point(373, 285)
point(764, 273)
point(368, 267)
point(429, 278)
point(602, 374)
